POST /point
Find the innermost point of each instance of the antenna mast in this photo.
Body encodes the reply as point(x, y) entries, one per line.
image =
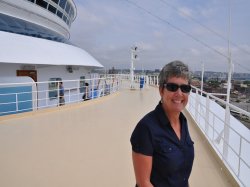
point(133, 58)
point(227, 112)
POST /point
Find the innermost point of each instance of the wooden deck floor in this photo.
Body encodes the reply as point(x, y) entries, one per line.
point(87, 145)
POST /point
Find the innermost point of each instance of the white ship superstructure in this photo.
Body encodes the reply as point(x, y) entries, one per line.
point(34, 40)
point(34, 37)
point(50, 19)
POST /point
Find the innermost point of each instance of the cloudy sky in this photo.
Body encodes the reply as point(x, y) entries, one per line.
point(194, 31)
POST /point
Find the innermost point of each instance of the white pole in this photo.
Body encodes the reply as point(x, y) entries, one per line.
point(229, 56)
point(227, 114)
point(202, 75)
point(133, 57)
point(132, 70)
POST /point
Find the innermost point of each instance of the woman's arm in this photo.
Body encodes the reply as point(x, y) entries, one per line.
point(142, 167)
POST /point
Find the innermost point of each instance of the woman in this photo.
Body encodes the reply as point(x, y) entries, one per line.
point(163, 151)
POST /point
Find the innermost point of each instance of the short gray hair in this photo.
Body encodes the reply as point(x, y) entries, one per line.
point(174, 69)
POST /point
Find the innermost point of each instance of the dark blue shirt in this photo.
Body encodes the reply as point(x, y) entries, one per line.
point(172, 157)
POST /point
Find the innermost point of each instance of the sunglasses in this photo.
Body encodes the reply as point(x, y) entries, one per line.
point(172, 87)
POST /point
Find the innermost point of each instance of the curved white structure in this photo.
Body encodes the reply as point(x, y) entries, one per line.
point(34, 38)
point(21, 49)
point(55, 15)
point(34, 41)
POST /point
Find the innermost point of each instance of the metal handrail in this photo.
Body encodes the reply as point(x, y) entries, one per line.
point(208, 121)
point(39, 95)
point(235, 160)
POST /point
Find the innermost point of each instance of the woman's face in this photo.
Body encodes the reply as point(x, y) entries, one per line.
point(174, 101)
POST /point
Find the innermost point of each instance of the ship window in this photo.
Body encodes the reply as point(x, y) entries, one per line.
point(53, 87)
point(42, 3)
point(64, 18)
point(71, 13)
point(52, 9)
point(55, 1)
point(59, 14)
point(32, 1)
point(62, 3)
point(82, 84)
point(67, 7)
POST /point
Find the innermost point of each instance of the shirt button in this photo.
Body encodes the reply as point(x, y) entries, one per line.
point(184, 179)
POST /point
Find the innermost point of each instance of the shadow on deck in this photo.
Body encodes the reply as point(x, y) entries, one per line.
point(87, 144)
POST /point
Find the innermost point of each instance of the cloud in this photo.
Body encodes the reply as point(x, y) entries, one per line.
point(108, 30)
point(194, 52)
point(185, 12)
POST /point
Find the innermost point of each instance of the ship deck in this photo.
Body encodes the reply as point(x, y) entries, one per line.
point(87, 144)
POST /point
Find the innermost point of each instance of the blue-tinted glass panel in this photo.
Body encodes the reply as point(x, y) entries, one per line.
point(55, 1)
point(19, 99)
point(67, 7)
point(53, 87)
point(64, 18)
point(59, 14)
point(82, 84)
point(52, 9)
point(42, 3)
point(70, 13)
point(62, 3)
point(15, 25)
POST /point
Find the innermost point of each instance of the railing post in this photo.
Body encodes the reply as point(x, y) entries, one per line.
point(16, 103)
point(147, 81)
point(226, 132)
point(196, 104)
point(34, 95)
point(78, 90)
point(69, 95)
point(103, 87)
point(92, 88)
point(46, 97)
point(58, 94)
point(207, 114)
point(238, 174)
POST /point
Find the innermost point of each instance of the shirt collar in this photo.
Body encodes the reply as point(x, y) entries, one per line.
point(162, 116)
point(163, 119)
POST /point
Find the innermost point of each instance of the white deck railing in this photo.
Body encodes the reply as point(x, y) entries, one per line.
point(29, 96)
point(227, 135)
